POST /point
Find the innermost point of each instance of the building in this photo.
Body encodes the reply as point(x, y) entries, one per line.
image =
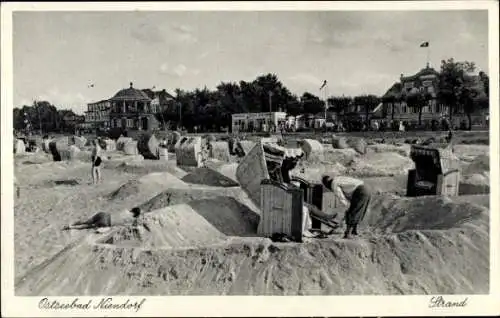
point(249, 122)
point(97, 115)
point(131, 110)
point(160, 100)
point(394, 106)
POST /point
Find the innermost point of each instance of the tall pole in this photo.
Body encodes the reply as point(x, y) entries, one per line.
point(428, 49)
point(180, 116)
point(270, 109)
point(39, 118)
point(326, 101)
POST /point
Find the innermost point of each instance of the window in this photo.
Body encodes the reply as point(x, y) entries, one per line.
point(408, 85)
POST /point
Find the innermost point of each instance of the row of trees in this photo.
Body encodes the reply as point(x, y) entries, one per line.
point(45, 117)
point(212, 109)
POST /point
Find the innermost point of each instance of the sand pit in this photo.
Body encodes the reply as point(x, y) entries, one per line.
point(209, 177)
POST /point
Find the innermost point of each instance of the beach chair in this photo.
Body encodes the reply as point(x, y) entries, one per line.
point(312, 194)
point(437, 171)
point(282, 210)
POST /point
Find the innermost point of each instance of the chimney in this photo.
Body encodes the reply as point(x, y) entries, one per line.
point(131, 84)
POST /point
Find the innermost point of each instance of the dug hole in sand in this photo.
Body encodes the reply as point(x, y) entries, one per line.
point(427, 245)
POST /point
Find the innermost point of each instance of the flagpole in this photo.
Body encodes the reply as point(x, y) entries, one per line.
point(326, 101)
point(428, 49)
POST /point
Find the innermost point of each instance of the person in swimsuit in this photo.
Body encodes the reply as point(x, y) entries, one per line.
point(104, 219)
point(354, 190)
point(96, 161)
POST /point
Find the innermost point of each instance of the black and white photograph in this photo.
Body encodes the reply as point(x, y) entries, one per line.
point(263, 152)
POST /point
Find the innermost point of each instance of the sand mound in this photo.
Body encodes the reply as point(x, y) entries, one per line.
point(178, 226)
point(341, 156)
point(416, 246)
point(395, 215)
point(393, 185)
point(226, 169)
point(148, 186)
point(474, 184)
point(209, 177)
point(380, 164)
point(403, 150)
point(228, 215)
point(145, 167)
point(480, 164)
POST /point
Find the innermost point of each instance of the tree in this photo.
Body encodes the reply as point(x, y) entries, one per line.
point(312, 104)
point(340, 104)
point(486, 83)
point(295, 108)
point(451, 85)
point(418, 100)
point(368, 103)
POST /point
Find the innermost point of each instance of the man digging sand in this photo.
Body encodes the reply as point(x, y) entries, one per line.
point(106, 220)
point(354, 190)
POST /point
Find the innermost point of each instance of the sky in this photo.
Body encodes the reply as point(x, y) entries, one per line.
point(58, 55)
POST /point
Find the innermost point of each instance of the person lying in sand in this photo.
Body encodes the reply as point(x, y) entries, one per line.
point(104, 219)
point(354, 190)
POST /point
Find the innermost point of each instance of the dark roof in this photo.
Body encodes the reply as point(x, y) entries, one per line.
point(163, 94)
point(101, 101)
point(393, 92)
point(131, 94)
point(425, 71)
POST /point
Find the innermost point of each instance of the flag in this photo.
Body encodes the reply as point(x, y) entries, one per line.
point(324, 84)
point(425, 44)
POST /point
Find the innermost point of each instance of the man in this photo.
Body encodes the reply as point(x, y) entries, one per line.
point(104, 219)
point(354, 190)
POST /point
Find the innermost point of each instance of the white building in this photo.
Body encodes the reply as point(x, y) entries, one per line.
point(249, 122)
